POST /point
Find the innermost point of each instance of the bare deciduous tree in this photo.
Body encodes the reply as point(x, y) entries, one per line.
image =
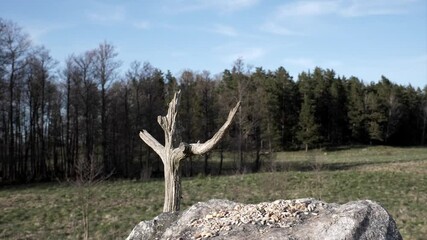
point(423, 114)
point(89, 174)
point(105, 67)
point(171, 157)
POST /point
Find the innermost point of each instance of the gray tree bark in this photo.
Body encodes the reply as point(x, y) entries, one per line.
point(171, 157)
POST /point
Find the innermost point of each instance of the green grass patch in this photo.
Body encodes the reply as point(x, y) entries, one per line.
point(394, 177)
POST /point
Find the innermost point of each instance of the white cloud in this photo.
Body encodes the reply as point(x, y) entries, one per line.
point(298, 15)
point(309, 63)
point(305, 14)
point(107, 13)
point(300, 62)
point(141, 25)
point(221, 5)
point(225, 30)
point(178, 54)
point(307, 8)
point(353, 8)
point(234, 5)
point(38, 30)
point(248, 54)
point(276, 28)
point(375, 7)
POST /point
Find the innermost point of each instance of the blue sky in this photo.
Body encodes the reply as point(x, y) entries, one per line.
point(364, 38)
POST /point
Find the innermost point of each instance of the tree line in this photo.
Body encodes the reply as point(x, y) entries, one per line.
point(53, 117)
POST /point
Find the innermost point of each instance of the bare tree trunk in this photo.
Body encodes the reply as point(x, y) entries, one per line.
point(11, 126)
point(76, 140)
point(206, 164)
point(88, 175)
point(424, 119)
point(240, 142)
point(258, 147)
point(104, 142)
point(221, 153)
point(190, 159)
point(68, 156)
point(173, 183)
point(43, 156)
point(171, 157)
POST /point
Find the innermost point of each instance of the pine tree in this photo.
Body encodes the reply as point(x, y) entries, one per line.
point(375, 116)
point(309, 129)
point(308, 133)
point(356, 110)
point(338, 113)
point(283, 105)
point(322, 81)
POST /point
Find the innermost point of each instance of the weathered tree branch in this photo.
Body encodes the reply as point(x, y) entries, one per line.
point(198, 148)
point(171, 156)
point(152, 143)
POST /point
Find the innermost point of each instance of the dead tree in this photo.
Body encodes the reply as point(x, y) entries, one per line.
point(171, 157)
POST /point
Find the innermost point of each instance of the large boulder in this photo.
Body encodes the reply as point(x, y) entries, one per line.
point(281, 219)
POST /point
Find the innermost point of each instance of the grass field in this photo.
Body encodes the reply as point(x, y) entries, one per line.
point(394, 177)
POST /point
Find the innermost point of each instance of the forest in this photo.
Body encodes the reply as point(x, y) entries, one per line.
point(58, 118)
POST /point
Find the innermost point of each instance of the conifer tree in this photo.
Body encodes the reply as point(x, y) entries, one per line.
point(308, 133)
point(309, 129)
point(356, 109)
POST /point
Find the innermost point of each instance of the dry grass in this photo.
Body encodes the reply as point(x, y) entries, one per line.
point(394, 177)
point(418, 167)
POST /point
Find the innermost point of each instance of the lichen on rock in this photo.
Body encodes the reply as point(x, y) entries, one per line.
point(281, 219)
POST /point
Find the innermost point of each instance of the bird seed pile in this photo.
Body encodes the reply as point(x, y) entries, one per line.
point(277, 214)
